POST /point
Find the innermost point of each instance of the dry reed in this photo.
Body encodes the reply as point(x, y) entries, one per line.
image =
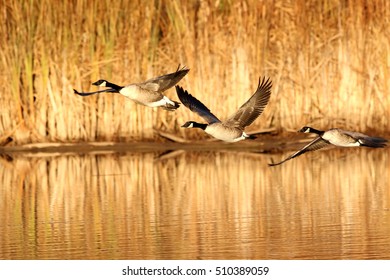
point(329, 62)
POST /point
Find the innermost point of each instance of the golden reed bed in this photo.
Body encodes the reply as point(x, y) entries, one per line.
point(329, 62)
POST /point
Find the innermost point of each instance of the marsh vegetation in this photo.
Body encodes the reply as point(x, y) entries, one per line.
point(328, 60)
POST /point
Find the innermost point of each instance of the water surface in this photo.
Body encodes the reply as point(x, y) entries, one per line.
point(332, 204)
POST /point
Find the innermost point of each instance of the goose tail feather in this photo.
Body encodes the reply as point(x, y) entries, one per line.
point(373, 142)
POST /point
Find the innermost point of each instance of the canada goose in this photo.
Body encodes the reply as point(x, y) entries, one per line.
point(231, 130)
point(336, 137)
point(148, 93)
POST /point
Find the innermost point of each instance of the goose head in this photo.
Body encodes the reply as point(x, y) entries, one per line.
point(188, 124)
point(305, 129)
point(100, 83)
point(192, 124)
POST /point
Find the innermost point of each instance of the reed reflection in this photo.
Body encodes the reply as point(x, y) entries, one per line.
point(329, 205)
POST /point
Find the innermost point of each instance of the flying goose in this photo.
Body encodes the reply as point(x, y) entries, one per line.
point(231, 130)
point(336, 137)
point(148, 93)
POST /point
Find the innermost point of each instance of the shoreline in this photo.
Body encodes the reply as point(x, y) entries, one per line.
point(267, 143)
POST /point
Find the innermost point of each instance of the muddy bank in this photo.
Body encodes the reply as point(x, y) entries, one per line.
point(256, 146)
point(265, 143)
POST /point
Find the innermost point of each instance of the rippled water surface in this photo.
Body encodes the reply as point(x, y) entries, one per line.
point(331, 204)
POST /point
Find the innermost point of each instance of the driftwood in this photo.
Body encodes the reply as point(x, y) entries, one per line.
point(266, 144)
point(174, 138)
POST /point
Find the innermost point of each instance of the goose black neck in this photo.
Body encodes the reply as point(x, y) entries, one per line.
point(199, 125)
point(316, 131)
point(113, 86)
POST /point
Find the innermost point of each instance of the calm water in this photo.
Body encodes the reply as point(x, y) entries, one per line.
point(197, 205)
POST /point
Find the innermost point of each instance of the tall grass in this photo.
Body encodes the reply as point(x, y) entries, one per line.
point(329, 62)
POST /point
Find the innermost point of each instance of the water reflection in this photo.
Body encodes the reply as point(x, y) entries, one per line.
point(326, 205)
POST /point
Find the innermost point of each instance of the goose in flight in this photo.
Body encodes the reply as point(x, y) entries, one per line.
point(148, 93)
point(336, 137)
point(231, 130)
